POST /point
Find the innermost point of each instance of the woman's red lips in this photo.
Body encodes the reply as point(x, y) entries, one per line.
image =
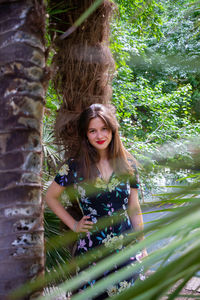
point(100, 142)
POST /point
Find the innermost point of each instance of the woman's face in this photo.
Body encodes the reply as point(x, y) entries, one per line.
point(99, 134)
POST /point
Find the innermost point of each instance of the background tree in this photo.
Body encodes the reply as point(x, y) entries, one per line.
point(23, 82)
point(84, 62)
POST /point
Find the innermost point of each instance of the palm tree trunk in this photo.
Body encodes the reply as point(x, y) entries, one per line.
point(83, 63)
point(22, 89)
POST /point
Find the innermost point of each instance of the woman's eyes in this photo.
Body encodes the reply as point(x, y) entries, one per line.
point(93, 130)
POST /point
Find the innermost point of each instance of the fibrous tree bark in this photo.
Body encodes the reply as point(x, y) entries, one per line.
point(22, 88)
point(83, 64)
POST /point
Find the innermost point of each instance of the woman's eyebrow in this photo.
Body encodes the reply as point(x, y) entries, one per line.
point(91, 128)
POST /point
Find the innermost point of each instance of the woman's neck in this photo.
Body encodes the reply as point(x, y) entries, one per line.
point(103, 155)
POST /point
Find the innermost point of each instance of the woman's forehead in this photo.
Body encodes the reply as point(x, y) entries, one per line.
point(96, 122)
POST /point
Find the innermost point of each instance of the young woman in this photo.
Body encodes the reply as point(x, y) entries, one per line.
point(103, 164)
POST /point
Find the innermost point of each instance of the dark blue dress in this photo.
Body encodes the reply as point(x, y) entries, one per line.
point(102, 200)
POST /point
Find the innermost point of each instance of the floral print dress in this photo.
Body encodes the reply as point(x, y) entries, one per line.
point(106, 200)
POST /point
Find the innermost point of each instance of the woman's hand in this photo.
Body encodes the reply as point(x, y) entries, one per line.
point(144, 253)
point(83, 225)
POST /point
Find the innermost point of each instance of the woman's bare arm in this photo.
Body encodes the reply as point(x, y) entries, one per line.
point(135, 214)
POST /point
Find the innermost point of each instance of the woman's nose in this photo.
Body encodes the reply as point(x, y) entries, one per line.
point(99, 134)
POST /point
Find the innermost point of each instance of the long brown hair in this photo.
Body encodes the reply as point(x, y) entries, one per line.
point(88, 156)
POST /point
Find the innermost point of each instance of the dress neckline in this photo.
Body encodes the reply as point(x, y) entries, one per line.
point(100, 176)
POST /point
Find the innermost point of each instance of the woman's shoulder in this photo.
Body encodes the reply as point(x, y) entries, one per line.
point(66, 174)
point(69, 164)
point(134, 178)
point(131, 161)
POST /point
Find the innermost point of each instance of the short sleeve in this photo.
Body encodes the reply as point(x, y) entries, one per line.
point(134, 180)
point(66, 174)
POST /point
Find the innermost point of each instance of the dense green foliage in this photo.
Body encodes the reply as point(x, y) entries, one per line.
point(156, 87)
